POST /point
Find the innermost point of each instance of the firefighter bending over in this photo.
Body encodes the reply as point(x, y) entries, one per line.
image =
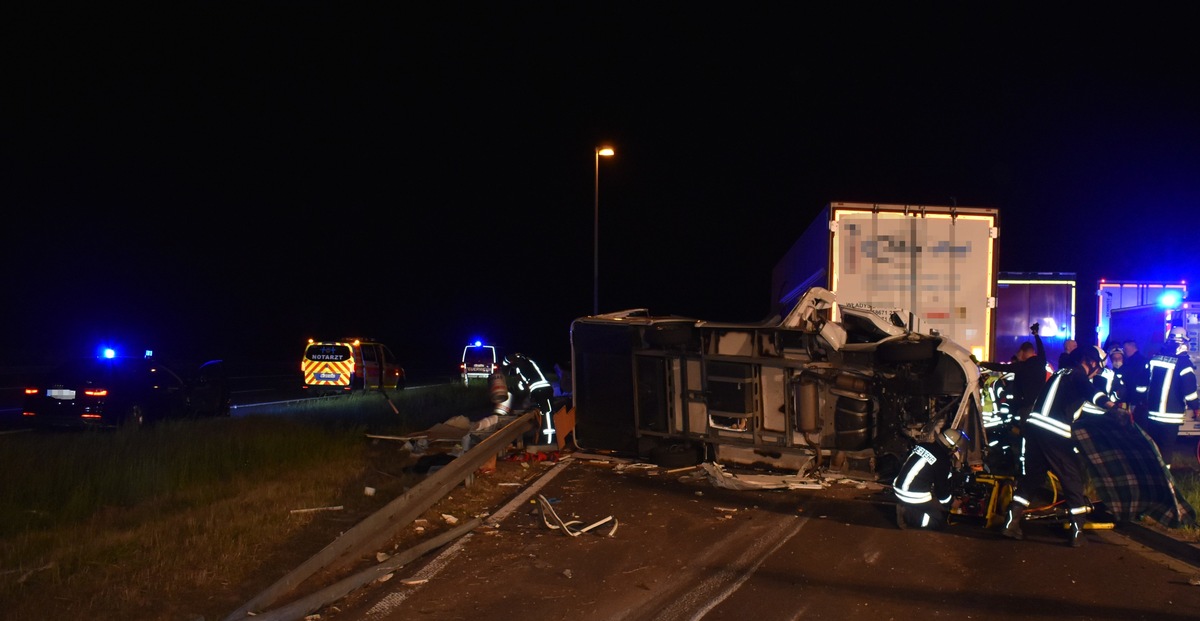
point(532, 391)
point(1047, 444)
point(924, 487)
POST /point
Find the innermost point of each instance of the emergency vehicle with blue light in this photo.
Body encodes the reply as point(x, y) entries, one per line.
point(479, 362)
point(336, 367)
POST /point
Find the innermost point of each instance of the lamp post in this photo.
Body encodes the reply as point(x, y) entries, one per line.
point(606, 152)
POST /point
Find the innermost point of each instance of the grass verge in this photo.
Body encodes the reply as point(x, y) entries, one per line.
point(189, 519)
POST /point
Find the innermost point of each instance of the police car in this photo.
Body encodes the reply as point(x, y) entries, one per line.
point(111, 390)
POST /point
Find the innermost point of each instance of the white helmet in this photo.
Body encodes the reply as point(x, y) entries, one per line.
point(953, 439)
point(1178, 335)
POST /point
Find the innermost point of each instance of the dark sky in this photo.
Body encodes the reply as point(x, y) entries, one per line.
point(229, 179)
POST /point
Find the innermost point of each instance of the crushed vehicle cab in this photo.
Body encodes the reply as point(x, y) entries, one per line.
point(801, 392)
point(335, 367)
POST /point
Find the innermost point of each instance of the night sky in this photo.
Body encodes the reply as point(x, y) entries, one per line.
point(229, 179)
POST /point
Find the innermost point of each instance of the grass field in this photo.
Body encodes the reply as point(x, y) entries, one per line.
point(175, 521)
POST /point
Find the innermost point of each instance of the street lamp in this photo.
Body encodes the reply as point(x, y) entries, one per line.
point(606, 152)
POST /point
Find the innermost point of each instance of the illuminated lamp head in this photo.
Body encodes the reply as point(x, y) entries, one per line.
point(1170, 298)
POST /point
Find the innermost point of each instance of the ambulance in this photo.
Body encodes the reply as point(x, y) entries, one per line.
point(336, 367)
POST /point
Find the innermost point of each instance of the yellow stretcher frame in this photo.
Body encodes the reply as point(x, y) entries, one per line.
point(1002, 492)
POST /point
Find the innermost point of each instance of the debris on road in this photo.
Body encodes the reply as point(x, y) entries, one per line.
point(554, 522)
point(719, 477)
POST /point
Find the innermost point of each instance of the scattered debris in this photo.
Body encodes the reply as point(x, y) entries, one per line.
point(414, 581)
point(336, 508)
point(1194, 580)
point(683, 469)
point(368, 491)
point(554, 522)
point(719, 477)
point(726, 509)
point(385, 577)
point(449, 519)
point(381, 557)
point(566, 573)
point(485, 423)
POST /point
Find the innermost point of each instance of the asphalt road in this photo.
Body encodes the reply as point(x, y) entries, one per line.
point(684, 549)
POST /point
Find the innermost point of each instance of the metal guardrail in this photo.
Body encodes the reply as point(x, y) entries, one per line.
point(382, 525)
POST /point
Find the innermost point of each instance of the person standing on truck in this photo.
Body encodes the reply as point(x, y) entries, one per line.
point(1047, 444)
point(924, 487)
point(1029, 373)
point(1172, 392)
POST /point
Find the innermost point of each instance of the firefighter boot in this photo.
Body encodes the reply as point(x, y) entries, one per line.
point(1076, 534)
point(1012, 522)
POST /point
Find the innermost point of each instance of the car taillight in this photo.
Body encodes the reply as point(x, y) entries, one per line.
point(31, 391)
point(96, 392)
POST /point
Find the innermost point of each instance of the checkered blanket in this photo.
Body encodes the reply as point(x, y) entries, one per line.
point(1129, 474)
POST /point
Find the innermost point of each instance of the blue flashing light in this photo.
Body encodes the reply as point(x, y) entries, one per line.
point(1169, 299)
point(477, 343)
point(108, 353)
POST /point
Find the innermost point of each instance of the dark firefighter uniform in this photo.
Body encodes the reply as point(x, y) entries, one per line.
point(537, 392)
point(1172, 392)
point(925, 484)
point(1047, 445)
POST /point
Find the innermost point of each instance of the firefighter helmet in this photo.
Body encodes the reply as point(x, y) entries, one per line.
point(953, 439)
point(1178, 335)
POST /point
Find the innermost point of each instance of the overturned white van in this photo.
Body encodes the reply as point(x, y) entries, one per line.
point(825, 386)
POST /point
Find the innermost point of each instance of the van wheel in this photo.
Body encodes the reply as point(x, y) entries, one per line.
point(675, 455)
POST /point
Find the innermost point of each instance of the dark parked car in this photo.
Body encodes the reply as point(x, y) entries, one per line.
point(116, 392)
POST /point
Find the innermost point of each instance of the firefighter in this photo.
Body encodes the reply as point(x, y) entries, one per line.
point(1107, 381)
point(536, 391)
point(1171, 393)
point(925, 485)
point(1029, 372)
point(1135, 372)
point(1047, 445)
